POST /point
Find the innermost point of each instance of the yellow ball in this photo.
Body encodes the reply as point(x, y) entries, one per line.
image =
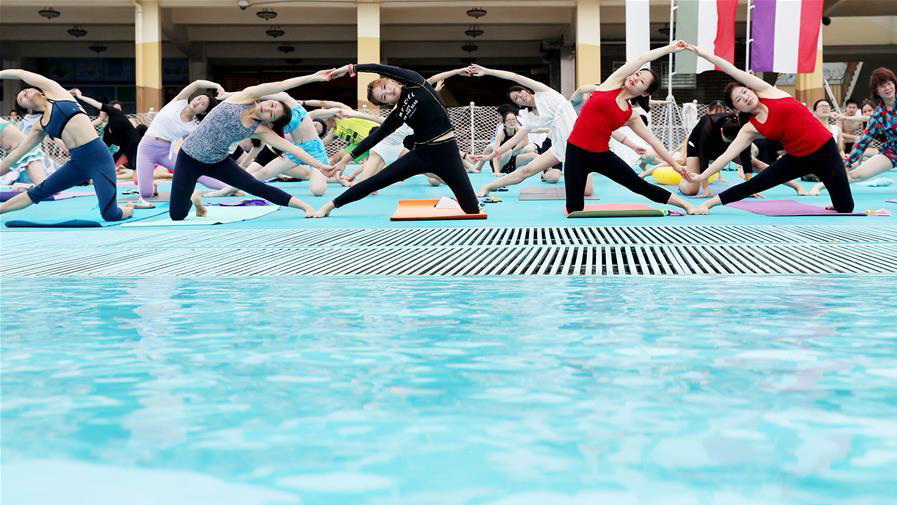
point(666, 175)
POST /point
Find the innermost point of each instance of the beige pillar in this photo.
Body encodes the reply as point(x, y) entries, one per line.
point(368, 44)
point(808, 87)
point(148, 54)
point(588, 42)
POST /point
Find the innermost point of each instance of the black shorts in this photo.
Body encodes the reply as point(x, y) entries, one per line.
point(266, 155)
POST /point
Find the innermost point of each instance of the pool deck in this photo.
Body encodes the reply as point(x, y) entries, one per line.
point(374, 212)
point(518, 238)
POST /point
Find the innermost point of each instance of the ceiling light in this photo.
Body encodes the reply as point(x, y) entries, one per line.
point(266, 14)
point(476, 12)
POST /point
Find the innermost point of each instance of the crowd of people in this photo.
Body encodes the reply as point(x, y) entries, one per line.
point(237, 141)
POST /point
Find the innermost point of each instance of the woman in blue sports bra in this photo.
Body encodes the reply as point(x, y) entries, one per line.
point(64, 119)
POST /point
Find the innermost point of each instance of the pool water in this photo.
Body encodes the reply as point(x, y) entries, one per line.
point(510, 391)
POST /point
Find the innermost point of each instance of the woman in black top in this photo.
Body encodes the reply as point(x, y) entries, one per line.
point(435, 150)
point(119, 131)
point(709, 140)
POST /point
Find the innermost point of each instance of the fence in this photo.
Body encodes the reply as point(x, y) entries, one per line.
point(475, 127)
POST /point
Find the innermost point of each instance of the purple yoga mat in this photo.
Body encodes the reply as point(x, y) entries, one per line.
point(787, 208)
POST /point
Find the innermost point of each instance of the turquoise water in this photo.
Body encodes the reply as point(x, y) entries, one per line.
point(567, 391)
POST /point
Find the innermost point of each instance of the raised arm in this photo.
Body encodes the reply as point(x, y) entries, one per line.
point(197, 85)
point(253, 93)
point(445, 75)
point(34, 137)
point(341, 113)
point(742, 141)
point(615, 80)
point(576, 97)
point(751, 81)
point(325, 104)
point(400, 74)
point(45, 84)
point(479, 71)
point(96, 104)
point(284, 97)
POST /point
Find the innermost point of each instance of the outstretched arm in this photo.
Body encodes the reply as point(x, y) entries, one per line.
point(96, 104)
point(284, 97)
point(751, 81)
point(576, 97)
point(45, 84)
point(359, 115)
point(35, 136)
point(274, 140)
point(742, 141)
point(197, 85)
point(324, 104)
point(509, 144)
point(253, 93)
point(637, 126)
point(479, 71)
point(445, 75)
point(630, 67)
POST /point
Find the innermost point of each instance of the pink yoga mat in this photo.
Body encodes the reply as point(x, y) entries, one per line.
point(787, 208)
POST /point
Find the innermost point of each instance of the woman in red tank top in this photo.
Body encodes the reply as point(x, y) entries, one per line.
point(607, 110)
point(776, 115)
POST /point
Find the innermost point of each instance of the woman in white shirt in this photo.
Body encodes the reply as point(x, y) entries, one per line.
point(176, 120)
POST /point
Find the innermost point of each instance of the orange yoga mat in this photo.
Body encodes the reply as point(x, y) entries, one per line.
point(425, 210)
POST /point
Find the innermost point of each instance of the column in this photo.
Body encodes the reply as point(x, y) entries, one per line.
point(368, 44)
point(588, 42)
point(808, 87)
point(148, 54)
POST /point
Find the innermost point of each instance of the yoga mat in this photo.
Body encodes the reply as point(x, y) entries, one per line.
point(616, 210)
point(6, 195)
point(84, 221)
point(216, 215)
point(787, 208)
point(425, 210)
point(163, 196)
point(547, 194)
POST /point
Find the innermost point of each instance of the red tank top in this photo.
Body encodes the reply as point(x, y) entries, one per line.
point(599, 117)
point(791, 123)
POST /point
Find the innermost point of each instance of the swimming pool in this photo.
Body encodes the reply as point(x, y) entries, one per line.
point(696, 390)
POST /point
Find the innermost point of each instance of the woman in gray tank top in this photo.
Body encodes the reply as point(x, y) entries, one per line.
point(247, 113)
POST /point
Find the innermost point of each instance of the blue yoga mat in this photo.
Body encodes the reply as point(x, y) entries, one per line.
point(84, 221)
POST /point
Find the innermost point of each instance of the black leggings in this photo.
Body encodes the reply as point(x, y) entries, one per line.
point(579, 163)
point(440, 159)
point(187, 170)
point(824, 163)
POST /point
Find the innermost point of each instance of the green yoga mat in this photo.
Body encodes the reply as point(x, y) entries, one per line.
point(618, 213)
point(617, 210)
point(216, 215)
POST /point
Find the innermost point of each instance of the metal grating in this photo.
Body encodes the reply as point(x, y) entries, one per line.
point(608, 250)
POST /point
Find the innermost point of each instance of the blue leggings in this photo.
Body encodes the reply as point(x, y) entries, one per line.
point(89, 161)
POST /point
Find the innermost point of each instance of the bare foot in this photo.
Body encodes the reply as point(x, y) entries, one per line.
point(309, 213)
point(201, 210)
point(758, 195)
point(497, 174)
point(483, 192)
point(324, 211)
point(699, 211)
point(127, 211)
